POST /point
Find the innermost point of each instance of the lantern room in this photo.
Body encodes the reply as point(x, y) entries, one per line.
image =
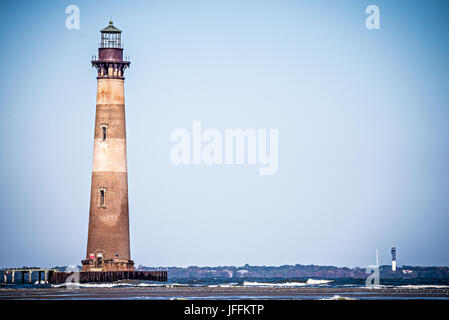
point(111, 37)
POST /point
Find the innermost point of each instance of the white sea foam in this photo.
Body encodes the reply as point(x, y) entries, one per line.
point(317, 281)
point(337, 297)
point(117, 284)
point(423, 286)
point(223, 285)
point(89, 285)
point(169, 285)
point(267, 284)
point(309, 282)
point(177, 285)
point(379, 286)
point(151, 285)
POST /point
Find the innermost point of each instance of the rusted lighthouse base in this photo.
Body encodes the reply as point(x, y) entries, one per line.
point(108, 276)
point(107, 265)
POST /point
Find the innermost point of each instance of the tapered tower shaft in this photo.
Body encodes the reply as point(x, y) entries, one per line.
point(108, 246)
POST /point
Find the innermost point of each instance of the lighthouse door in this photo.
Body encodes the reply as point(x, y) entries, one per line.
point(99, 261)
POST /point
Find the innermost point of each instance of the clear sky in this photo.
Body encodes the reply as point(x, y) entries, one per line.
point(363, 120)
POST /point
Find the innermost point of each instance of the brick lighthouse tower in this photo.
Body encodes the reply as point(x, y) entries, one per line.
point(108, 246)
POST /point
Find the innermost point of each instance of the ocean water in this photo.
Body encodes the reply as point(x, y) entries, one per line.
point(246, 282)
point(100, 290)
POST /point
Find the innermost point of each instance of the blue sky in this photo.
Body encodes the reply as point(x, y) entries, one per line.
point(363, 120)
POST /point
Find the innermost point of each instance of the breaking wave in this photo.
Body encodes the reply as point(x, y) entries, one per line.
point(316, 281)
point(423, 286)
point(116, 284)
point(223, 285)
point(310, 282)
point(268, 284)
point(89, 285)
point(337, 297)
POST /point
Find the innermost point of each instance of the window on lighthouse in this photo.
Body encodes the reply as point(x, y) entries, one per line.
point(104, 132)
point(102, 198)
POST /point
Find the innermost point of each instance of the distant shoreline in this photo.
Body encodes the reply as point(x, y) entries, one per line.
point(303, 271)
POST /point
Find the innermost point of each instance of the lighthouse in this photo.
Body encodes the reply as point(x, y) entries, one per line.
point(108, 247)
point(393, 259)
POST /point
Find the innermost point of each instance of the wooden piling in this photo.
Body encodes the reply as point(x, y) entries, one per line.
point(110, 276)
